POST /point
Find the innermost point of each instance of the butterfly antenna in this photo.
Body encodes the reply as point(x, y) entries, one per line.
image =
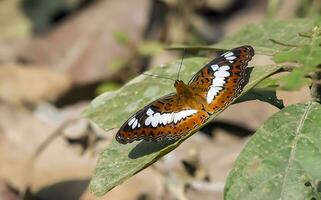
point(157, 76)
point(180, 66)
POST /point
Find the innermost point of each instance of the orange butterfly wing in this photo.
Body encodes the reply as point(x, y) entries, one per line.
point(164, 118)
point(222, 79)
point(218, 83)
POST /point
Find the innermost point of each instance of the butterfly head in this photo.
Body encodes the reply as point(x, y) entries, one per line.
point(178, 83)
point(181, 87)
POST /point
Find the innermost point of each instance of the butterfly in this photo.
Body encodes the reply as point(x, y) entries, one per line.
point(176, 114)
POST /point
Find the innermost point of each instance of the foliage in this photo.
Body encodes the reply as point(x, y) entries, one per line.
point(291, 134)
point(107, 87)
point(149, 48)
point(305, 55)
point(260, 35)
point(282, 160)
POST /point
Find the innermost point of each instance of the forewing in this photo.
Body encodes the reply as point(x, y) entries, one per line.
point(165, 118)
point(222, 79)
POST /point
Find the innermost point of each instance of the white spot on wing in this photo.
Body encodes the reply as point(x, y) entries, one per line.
point(214, 67)
point(212, 93)
point(189, 112)
point(169, 118)
point(135, 123)
point(176, 118)
point(228, 54)
point(166, 118)
point(221, 73)
point(230, 58)
point(149, 112)
point(148, 121)
point(219, 80)
point(131, 121)
point(156, 119)
point(225, 67)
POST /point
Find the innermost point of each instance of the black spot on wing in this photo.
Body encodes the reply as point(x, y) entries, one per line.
point(126, 127)
point(242, 49)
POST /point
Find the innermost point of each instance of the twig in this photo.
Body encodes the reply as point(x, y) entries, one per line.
point(38, 151)
point(283, 44)
point(307, 35)
point(288, 68)
point(316, 86)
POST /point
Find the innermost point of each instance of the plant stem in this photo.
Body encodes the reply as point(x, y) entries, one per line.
point(283, 44)
point(316, 86)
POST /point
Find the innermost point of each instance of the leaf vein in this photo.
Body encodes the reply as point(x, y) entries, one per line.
point(293, 151)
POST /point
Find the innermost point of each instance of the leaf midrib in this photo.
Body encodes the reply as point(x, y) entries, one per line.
point(293, 150)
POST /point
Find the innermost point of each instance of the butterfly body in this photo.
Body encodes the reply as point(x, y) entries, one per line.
point(187, 95)
point(176, 114)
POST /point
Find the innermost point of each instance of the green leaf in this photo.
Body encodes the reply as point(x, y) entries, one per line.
point(307, 56)
point(293, 81)
point(106, 87)
point(282, 160)
point(269, 82)
point(121, 37)
point(119, 162)
point(149, 48)
point(259, 35)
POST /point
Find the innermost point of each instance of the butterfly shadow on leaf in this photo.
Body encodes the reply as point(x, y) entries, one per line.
point(147, 147)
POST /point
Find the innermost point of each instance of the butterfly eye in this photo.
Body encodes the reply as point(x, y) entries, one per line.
point(176, 83)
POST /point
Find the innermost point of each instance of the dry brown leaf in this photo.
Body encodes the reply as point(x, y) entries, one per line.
point(84, 46)
point(30, 84)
